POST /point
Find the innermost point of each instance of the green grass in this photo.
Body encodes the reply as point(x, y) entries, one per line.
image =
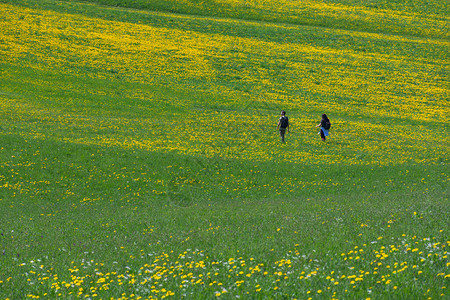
point(139, 156)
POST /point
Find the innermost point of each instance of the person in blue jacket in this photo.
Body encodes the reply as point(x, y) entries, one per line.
point(325, 126)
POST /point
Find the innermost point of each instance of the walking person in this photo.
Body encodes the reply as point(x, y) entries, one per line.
point(283, 125)
point(325, 126)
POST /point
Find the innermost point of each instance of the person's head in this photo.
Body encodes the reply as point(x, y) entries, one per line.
point(324, 116)
point(283, 113)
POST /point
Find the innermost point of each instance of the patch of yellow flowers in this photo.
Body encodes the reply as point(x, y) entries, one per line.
point(390, 88)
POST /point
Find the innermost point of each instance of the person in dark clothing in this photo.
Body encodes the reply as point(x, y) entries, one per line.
point(324, 125)
point(283, 125)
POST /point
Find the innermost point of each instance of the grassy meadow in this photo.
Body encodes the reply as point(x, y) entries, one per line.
point(139, 156)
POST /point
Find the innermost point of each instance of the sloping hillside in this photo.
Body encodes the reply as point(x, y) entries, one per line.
point(139, 156)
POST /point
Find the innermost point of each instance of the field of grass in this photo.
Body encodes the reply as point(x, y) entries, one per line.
point(139, 157)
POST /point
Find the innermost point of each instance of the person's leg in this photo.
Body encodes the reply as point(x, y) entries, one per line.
point(282, 132)
point(322, 135)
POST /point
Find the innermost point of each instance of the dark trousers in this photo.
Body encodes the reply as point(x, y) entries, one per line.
point(282, 133)
point(322, 135)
